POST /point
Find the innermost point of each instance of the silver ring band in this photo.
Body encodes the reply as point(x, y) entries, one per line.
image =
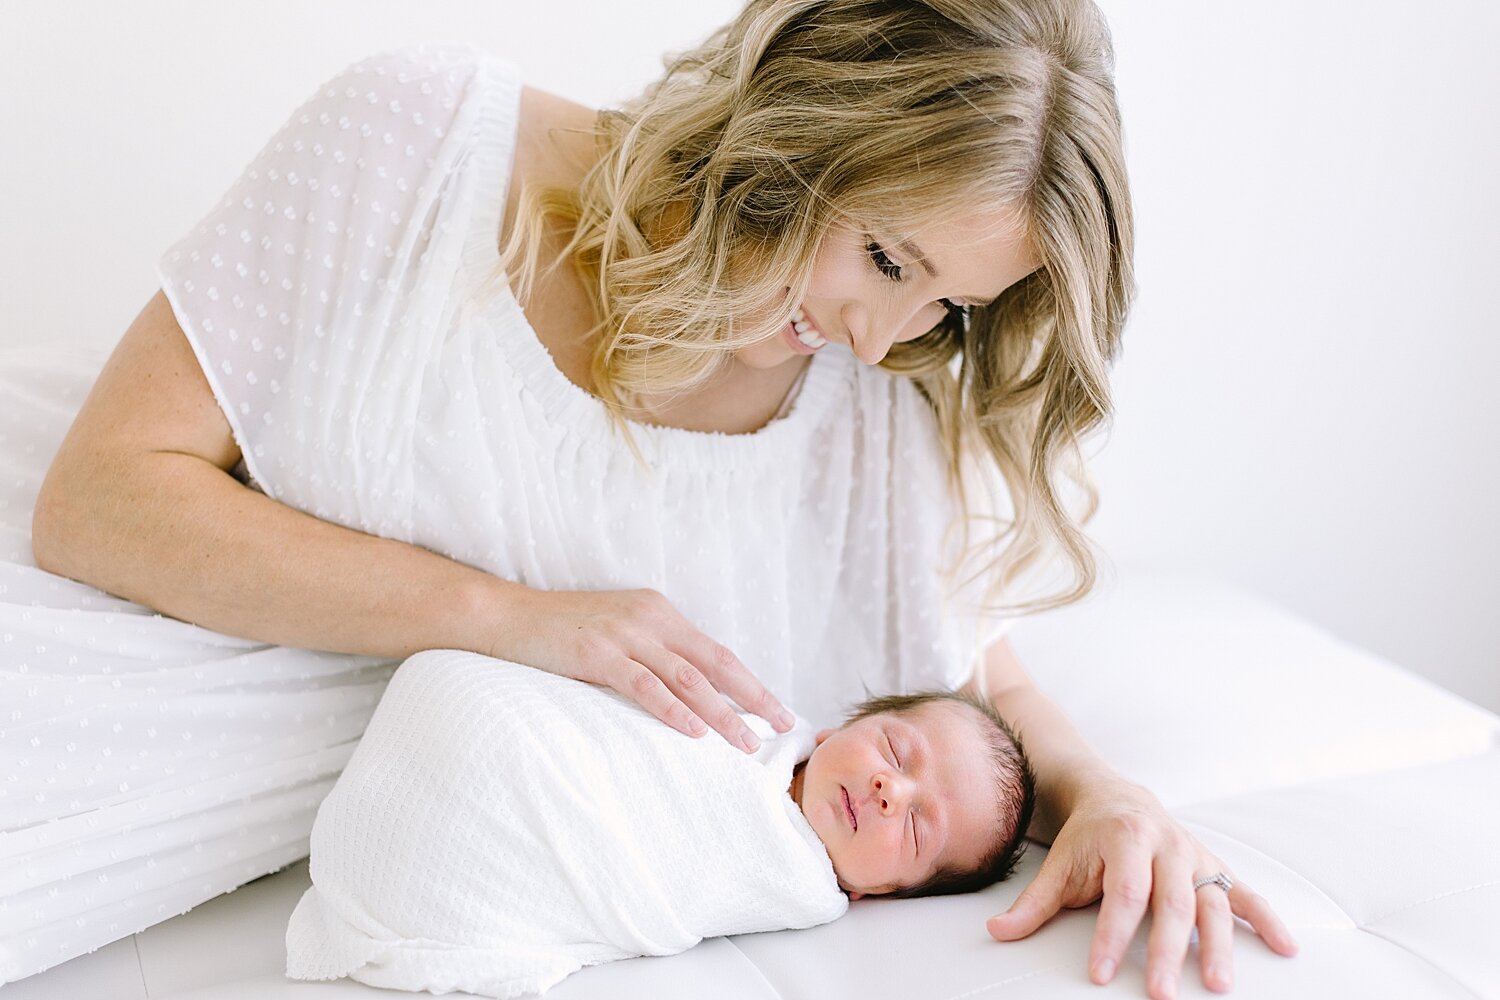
point(1217, 878)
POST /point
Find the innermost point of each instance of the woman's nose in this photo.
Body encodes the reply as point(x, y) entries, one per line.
point(873, 342)
point(872, 347)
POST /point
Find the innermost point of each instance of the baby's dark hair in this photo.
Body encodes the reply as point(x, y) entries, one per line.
point(1015, 793)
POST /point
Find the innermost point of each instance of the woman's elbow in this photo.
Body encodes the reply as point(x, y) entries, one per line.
point(67, 506)
point(49, 525)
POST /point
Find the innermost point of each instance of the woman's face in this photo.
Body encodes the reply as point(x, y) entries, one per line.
point(869, 289)
point(897, 797)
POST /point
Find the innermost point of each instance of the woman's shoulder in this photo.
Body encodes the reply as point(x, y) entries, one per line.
point(379, 194)
point(553, 150)
point(555, 135)
point(554, 145)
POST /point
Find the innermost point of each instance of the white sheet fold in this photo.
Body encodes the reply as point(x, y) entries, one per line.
point(500, 827)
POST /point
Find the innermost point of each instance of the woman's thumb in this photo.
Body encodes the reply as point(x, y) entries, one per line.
point(1037, 903)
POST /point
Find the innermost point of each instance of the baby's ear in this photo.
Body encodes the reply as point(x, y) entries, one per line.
point(853, 895)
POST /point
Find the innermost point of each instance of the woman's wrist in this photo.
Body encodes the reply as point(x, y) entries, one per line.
point(486, 613)
point(1102, 783)
point(1067, 786)
point(1068, 772)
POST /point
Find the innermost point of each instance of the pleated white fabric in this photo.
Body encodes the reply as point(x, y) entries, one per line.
point(146, 764)
point(332, 299)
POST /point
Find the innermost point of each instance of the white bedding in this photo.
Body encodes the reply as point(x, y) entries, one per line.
point(1403, 907)
point(499, 828)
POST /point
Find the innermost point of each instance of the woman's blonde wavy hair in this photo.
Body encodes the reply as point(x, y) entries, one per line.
point(716, 186)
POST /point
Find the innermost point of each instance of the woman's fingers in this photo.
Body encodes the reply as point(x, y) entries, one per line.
point(1254, 910)
point(734, 679)
point(693, 687)
point(641, 685)
point(1173, 912)
point(1215, 938)
point(687, 697)
point(1036, 904)
point(697, 669)
point(1127, 891)
point(1120, 843)
point(636, 642)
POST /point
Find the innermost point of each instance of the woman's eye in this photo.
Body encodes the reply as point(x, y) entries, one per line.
point(958, 312)
point(892, 270)
point(883, 263)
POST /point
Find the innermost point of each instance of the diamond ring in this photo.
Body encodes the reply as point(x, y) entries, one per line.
point(1217, 878)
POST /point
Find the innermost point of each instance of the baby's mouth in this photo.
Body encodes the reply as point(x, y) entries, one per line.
point(849, 808)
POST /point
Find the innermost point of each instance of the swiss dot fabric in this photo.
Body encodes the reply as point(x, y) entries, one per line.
point(331, 300)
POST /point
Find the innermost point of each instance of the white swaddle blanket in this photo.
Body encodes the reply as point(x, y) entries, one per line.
point(499, 827)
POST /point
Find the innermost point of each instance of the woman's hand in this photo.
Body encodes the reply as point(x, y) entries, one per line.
point(1120, 842)
point(637, 643)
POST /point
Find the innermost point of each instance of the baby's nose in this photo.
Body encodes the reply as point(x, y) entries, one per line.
point(889, 793)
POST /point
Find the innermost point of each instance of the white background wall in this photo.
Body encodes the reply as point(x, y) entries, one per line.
point(1305, 400)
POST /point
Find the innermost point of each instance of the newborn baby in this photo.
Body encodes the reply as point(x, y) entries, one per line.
point(499, 827)
point(918, 795)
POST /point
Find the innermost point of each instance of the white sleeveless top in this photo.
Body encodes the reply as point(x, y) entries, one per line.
point(331, 301)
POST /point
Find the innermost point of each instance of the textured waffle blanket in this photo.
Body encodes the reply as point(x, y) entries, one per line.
point(499, 827)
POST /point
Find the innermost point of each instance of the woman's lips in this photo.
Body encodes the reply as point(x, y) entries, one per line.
point(789, 333)
point(849, 808)
point(803, 334)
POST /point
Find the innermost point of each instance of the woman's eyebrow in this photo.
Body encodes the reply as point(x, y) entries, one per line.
point(913, 251)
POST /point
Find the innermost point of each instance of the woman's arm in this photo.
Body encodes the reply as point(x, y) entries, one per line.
point(138, 502)
point(1112, 839)
point(1064, 764)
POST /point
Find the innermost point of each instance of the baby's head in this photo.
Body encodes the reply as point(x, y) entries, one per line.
point(940, 790)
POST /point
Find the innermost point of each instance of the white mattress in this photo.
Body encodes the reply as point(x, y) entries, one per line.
point(1360, 799)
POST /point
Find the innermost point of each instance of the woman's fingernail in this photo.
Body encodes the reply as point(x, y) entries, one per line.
point(697, 727)
point(1104, 970)
point(749, 742)
point(786, 719)
point(1166, 985)
point(1218, 977)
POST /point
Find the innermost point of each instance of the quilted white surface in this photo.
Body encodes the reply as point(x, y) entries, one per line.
point(1363, 801)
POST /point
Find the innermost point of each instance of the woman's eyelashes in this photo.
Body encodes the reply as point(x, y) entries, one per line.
point(892, 270)
point(883, 262)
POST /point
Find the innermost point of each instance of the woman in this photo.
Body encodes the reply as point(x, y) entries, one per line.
point(846, 262)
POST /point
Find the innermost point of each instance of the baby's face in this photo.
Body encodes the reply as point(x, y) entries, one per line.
point(894, 798)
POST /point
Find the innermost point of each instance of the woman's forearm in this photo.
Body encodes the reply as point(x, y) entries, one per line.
point(178, 534)
point(1064, 764)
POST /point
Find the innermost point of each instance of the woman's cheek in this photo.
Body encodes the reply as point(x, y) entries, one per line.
point(837, 274)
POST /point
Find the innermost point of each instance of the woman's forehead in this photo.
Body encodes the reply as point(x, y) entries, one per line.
point(997, 231)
